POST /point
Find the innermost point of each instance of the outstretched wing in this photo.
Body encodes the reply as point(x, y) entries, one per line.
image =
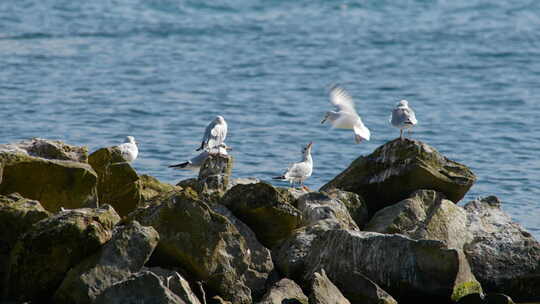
point(341, 99)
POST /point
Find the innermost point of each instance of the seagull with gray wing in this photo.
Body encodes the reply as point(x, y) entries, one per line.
point(214, 135)
point(403, 117)
point(346, 116)
point(300, 171)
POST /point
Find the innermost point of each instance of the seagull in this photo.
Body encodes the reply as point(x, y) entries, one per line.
point(403, 117)
point(346, 116)
point(214, 135)
point(129, 149)
point(197, 161)
point(300, 171)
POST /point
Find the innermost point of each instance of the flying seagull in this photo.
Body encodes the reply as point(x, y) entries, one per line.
point(346, 117)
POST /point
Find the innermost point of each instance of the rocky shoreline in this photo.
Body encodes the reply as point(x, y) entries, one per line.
point(79, 228)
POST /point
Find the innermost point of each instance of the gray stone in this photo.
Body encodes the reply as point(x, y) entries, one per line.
point(424, 215)
point(355, 203)
point(143, 287)
point(49, 149)
point(176, 283)
point(323, 291)
point(317, 206)
point(503, 256)
point(126, 253)
point(215, 173)
point(401, 266)
point(398, 168)
point(284, 291)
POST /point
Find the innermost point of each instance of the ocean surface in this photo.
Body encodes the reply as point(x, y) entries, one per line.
point(91, 72)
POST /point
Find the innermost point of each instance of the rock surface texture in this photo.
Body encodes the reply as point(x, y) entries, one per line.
point(267, 210)
point(54, 183)
point(398, 168)
point(323, 291)
point(425, 267)
point(126, 253)
point(206, 244)
point(425, 215)
point(49, 149)
point(42, 257)
point(284, 291)
point(503, 256)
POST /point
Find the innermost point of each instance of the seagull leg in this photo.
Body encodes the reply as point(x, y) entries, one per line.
point(401, 134)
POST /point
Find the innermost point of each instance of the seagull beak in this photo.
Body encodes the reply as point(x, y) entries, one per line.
point(322, 121)
point(310, 145)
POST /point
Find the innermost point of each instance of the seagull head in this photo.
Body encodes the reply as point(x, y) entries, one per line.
point(403, 103)
point(220, 119)
point(307, 149)
point(130, 139)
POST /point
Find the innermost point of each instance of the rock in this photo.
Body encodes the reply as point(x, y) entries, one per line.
point(355, 204)
point(218, 300)
point(503, 256)
point(497, 298)
point(204, 243)
point(289, 257)
point(405, 268)
point(396, 169)
point(215, 173)
point(242, 181)
point(118, 183)
point(49, 149)
point(323, 291)
point(317, 206)
point(425, 215)
point(472, 298)
point(42, 257)
point(284, 291)
point(151, 187)
point(269, 212)
point(17, 215)
point(143, 287)
point(176, 283)
point(126, 253)
point(54, 183)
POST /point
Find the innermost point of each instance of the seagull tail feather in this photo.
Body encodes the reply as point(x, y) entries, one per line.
point(182, 165)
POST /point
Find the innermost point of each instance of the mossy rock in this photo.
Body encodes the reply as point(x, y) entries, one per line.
point(398, 168)
point(267, 210)
point(204, 243)
point(42, 257)
point(17, 215)
point(151, 187)
point(49, 149)
point(54, 183)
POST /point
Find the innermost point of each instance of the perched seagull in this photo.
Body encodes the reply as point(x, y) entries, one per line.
point(214, 135)
point(129, 149)
point(197, 161)
point(300, 171)
point(346, 116)
point(403, 117)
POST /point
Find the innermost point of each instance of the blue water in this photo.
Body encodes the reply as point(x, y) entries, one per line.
point(92, 72)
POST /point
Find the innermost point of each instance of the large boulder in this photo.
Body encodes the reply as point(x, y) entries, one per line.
point(267, 210)
point(405, 268)
point(130, 247)
point(17, 215)
point(143, 287)
point(42, 257)
point(284, 291)
point(49, 149)
point(54, 183)
point(204, 243)
point(215, 173)
point(424, 215)
point(176, 283)
point(152, 188)
point(355, 204)
point(503, 256)
point(118, 183)
point(398, 168)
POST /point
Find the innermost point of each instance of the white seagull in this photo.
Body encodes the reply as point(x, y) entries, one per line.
point(403, 117)
point(214, 135)
point(300, 171)
point(197, 161)
point(346, 117)
point(129, 149)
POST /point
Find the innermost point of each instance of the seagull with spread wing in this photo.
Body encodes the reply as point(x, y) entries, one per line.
point(403, 117)
point(346, 117)
point(214, 135)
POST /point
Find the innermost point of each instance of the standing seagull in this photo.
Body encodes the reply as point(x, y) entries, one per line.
point(197, 161)
point(403, 117)
point(214, 135)
point(300, 171)
point(129, 149)
point(346, 116)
